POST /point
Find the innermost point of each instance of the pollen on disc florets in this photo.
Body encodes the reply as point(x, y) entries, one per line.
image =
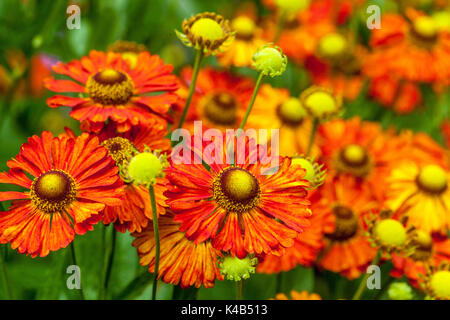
point(321, 103)
point(315, 173)
point(145, 167)
point(270, 61)
point(236, 190)
point(110, 87)
point(208, 32)
point(120, 149)
point(353, 159)
point(346, 224)
point(432, 179)
point(400, 291)
point(53, 191)
point(221, 108)
point(291, 112)
point(236, 269)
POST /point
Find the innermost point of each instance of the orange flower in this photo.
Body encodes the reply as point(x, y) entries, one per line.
point(429, 250)
point(135, 210)
point(360, 150)
point(295, 295)
point(115, 90)
point(182, 261)
point(417, 51)
point(72, 182)
point(347, 250)
point(421, 192)
point(242, 209)
point(221, 100)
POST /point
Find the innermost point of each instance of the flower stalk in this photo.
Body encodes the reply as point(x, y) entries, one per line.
point(157, 245)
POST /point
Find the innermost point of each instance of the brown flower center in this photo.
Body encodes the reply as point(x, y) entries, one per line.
point(110, 87)
point(346, 224)
point(221, 109)
point(53, 191)
point(236, 189)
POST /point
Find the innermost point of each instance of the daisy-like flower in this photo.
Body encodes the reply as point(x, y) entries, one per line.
point(421, 192)
point(347, 251)
point(360, 150)
point(69, 182)
point(221, 100)
point(428, 250)
point(208, 32)
point(416, 51)
point(248, 40)
point(389, 235)
point(242, 208)
point(182, 261)
point(135, 210)
point(112, 89)
point(295, 295)
point(436, 282)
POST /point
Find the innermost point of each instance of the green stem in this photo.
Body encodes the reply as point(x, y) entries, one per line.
point(198, 59)
point(239, 290)
point(363, 283)
point(279, 282)
point(312, 136)
point(5, 277)
point(108, 267)
point(74, 262)
point(156, 233)
point(252, 101)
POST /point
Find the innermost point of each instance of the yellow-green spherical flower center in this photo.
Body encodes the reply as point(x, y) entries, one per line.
point(237, 269)
point(53, 191)
point(208, 29)
point(332, 45)
point(291, 111)
point(144, 168)
point(425, 26)
point(390, 232)
point(244, 26)
point(292, 6)
point(354, 154)
point(440, 283)
point(110, 87)
point(270, 61)
point(432, 178)
point(321, 103)
point(423, 246)
point(236, 189)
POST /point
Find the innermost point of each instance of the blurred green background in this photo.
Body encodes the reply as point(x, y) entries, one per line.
point(29, 28)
